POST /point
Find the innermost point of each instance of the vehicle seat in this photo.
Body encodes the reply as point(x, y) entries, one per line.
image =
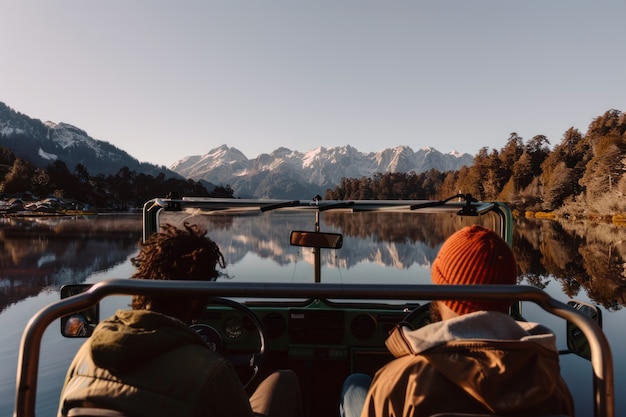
point(94, 412)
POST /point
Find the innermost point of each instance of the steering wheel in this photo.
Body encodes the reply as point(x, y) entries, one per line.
point(418, 317)
point(253, 362)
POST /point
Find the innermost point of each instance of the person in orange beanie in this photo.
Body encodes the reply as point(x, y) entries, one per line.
point(474, 357)
point(474, 255)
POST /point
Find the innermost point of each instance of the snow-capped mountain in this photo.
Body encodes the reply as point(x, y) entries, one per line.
point(45, 142)
point(286, 173)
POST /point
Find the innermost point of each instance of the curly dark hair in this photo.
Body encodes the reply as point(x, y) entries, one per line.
point(175, 254)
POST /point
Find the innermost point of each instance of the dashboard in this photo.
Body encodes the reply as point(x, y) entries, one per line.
point(322, 341)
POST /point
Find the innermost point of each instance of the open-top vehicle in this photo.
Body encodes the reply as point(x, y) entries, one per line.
point(324, 331)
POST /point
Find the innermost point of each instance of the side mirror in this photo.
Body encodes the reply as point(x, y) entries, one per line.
point(576, 341)
point(82, 323)
point(316, 239)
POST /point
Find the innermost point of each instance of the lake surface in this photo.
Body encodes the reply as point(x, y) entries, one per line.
point(38, 256)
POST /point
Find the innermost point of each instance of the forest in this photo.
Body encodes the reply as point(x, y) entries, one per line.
point(581, 177)
point(122, 191)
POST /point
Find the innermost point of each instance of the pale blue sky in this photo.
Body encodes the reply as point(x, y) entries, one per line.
point(167, 79)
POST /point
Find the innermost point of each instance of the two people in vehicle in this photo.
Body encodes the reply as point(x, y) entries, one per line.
point(148, 362)
point(474, 357)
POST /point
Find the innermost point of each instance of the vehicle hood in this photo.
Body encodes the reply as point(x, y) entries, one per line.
point(133, 337)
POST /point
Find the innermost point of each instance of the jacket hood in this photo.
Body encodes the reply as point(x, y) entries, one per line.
point(481, 325)
point(505, 365)
point(133, 337)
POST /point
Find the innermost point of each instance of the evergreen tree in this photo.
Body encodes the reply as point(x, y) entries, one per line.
point(522, 172)
point(62, 182)
point(365, 189)
point(538, 149)
point(40, 183)
point(7, 157)
point(477, 174)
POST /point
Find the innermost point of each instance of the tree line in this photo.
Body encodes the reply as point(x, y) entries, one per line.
point(123, 190)
point(582, 176)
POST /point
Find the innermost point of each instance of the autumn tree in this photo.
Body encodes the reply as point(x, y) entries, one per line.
point(473, 179)
point(18, 179)
point(562, 169)
point(606, 135)
point(558, 184)
point(449, 185)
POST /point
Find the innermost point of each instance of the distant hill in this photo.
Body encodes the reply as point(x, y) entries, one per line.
point(44, 142)
point(285, 173)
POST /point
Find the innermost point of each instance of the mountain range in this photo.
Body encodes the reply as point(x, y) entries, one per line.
point(286, 173)
point(283, 173)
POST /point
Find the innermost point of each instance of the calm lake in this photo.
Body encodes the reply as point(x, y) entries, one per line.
point(38, 256)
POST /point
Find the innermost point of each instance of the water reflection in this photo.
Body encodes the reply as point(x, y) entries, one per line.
point(50, 252)
point(586, 261)
point(396, 240)
point(588, 257)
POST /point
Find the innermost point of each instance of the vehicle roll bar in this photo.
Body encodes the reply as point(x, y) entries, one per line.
point(28, 360)
point(152, 209)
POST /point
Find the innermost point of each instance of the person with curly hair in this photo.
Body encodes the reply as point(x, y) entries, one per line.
point(148, 362)
point(176, 254)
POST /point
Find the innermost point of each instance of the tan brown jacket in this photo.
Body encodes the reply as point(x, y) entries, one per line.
point(483, 362)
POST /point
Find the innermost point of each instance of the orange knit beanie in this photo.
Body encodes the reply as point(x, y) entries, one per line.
point(475, 255)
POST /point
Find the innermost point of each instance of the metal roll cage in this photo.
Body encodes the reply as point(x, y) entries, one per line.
point(28, 361)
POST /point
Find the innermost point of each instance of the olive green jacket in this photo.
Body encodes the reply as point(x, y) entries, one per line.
point(148, 364)
point(483, 362)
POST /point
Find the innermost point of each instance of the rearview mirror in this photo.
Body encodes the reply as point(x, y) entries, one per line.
point(82, 323)
point(576, 341)
point(316, 239)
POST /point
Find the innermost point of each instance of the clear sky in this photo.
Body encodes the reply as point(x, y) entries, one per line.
point(167, 79)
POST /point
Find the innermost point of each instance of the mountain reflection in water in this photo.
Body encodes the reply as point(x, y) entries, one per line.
point(50, 252)
point(391, 240)
point(38, 256)
point(44, 252)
